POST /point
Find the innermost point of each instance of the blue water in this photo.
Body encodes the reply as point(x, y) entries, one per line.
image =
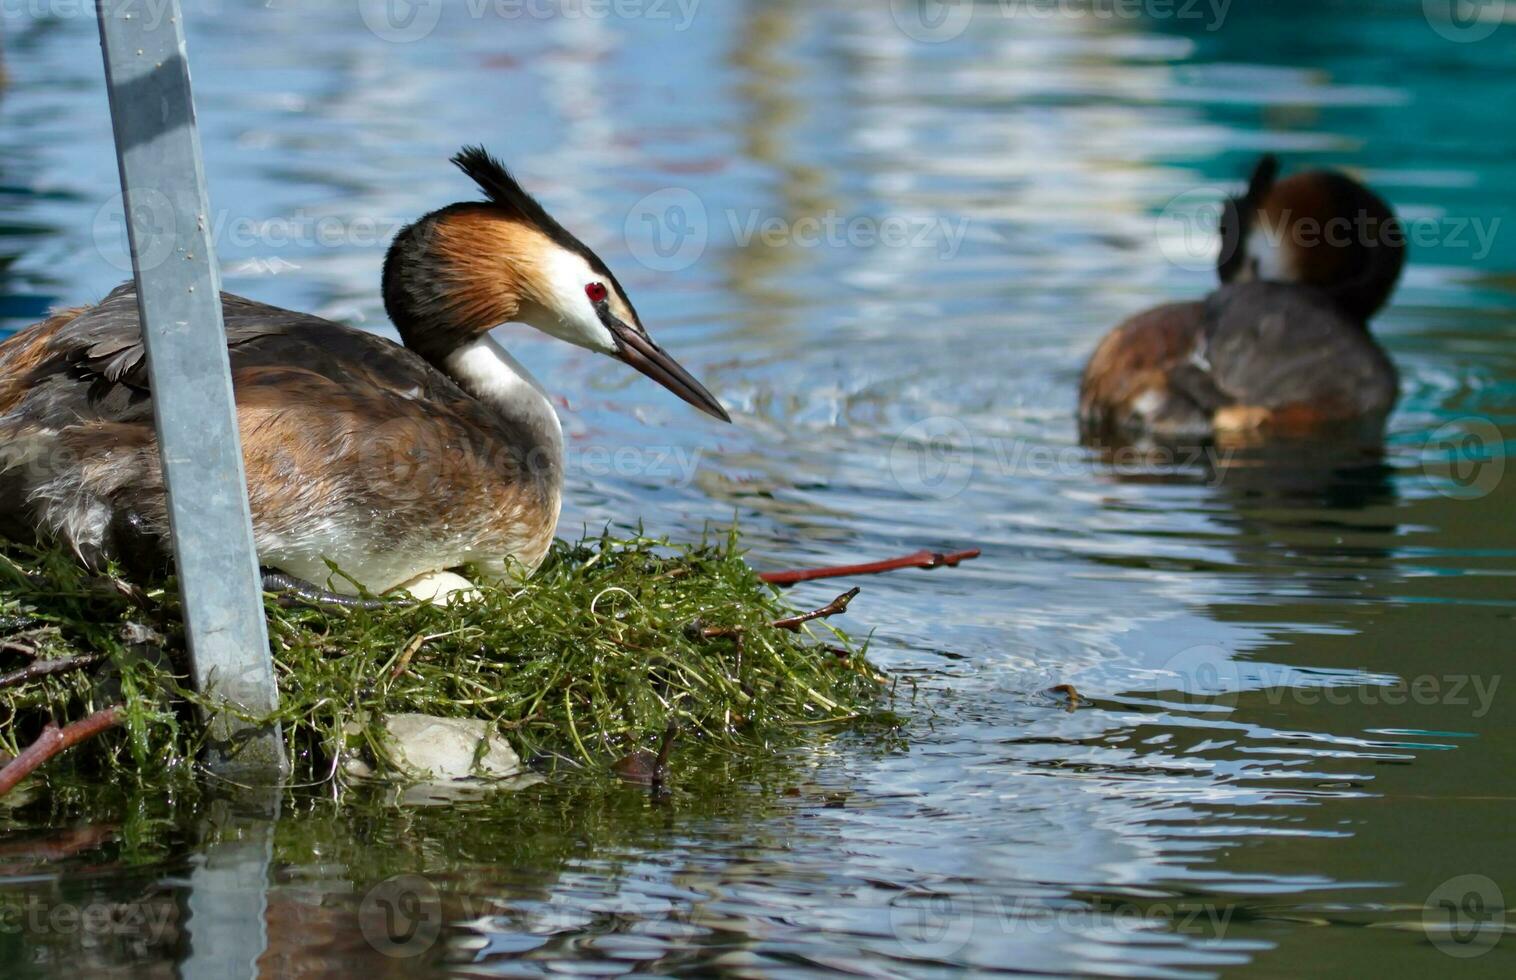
point(1297, 747)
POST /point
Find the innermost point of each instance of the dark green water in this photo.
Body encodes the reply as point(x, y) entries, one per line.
point(890, 257)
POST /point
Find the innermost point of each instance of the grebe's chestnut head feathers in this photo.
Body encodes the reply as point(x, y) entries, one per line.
point(1319, 228)
point(561, 297)
point(467, 268)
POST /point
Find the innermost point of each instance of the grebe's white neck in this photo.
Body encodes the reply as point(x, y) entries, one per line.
point(487, 371)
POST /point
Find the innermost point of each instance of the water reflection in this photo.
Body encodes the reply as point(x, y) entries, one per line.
point(226, 900)
point(1255, 776)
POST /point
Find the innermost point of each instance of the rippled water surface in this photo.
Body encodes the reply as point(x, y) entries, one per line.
point(889, 256)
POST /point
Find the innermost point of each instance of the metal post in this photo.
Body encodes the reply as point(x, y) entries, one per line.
point(179, 302)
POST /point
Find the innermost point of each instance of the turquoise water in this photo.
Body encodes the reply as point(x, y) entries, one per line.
point(889, 256)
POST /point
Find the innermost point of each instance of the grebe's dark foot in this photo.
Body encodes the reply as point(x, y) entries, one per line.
point(298, 592)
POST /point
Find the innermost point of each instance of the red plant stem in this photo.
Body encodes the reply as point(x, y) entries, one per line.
point(792, 623)
point(919, 559)
point(834, 608)
point(54, 740)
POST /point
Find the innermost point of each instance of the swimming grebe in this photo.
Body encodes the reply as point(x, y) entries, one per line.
point(1283, 347)
point(395, 463)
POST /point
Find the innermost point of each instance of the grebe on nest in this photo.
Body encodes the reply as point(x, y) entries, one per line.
point(1283, 347)
point(395, 463)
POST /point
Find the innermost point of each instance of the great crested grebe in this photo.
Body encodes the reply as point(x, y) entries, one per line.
point(395, 463)
point(1283, 347)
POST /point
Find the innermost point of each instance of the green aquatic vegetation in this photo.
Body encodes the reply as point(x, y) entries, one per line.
point(611, 641)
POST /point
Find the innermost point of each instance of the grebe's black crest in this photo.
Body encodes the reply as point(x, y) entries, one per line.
point(1237, 217)
point(1265, 173)
point(501, 188)
point(505, 191)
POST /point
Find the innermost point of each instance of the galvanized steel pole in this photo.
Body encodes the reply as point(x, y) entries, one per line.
point(179, 300)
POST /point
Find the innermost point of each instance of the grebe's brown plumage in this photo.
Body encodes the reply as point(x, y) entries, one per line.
point(393, 463)
point(1283, 347)
point(1126, 381)
point(339, 428)
point(1320, 228)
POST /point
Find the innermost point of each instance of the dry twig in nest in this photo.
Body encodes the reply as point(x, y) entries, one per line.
point(46, 668)
point(792, 623)
point(54, 740)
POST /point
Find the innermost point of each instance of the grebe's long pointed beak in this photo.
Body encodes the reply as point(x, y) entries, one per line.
point(637, 349)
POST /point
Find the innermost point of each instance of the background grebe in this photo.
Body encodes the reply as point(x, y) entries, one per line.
point(395, 464)
point(1283, 346)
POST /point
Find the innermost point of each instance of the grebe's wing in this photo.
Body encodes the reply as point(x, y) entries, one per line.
point(96, 364)
point(1271, 345)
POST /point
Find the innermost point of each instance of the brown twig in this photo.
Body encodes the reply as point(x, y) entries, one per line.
point(834, 608)
point(919, 559)
point(792, 623)
point(412, 647)
point(662, 762)
point(18, 646)
point(406, 655)
point(55, 847)
point(643, 767)
point(46, 668)
point(519, 723)
point(1071, 694)
point(54, 740)
point(25, 642)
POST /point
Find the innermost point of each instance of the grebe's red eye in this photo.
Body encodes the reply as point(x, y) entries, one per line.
point(595, 291)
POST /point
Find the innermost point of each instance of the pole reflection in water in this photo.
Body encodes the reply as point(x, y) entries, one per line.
point(228, 888)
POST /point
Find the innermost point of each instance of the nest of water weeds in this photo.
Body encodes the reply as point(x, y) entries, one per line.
point(611, 642)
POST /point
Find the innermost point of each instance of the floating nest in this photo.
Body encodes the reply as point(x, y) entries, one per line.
point(610, 645)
